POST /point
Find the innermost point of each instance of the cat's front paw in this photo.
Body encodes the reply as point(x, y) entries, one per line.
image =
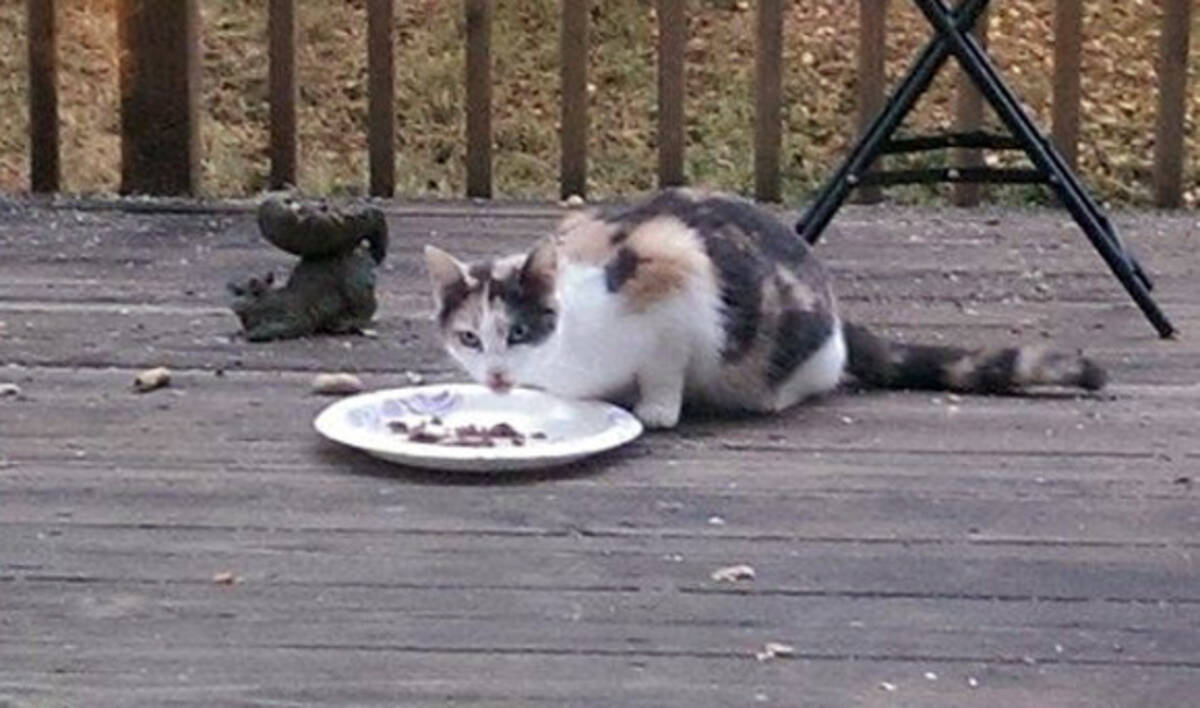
point(655, 414)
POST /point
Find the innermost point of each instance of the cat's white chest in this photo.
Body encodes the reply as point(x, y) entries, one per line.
point(603, 343)
point(600, 344)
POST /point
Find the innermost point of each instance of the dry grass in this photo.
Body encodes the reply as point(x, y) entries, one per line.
point(1117, 131)
point(88, 98)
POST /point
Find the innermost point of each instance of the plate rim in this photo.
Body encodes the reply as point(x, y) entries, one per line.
point(627, 429)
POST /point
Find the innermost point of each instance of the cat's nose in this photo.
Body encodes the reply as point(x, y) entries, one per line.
point(499, 382)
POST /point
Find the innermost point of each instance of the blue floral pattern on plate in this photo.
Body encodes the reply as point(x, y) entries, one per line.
point(439, 403)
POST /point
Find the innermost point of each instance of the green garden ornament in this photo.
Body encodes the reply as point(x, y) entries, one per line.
point(332, 289)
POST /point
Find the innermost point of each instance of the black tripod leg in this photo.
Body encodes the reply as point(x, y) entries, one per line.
point(1046, 158)
point(835, 190)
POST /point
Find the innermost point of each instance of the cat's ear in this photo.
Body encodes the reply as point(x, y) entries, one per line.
point(537, 273)
point(444, 269)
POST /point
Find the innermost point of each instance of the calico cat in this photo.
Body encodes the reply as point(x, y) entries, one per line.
point(692, 298)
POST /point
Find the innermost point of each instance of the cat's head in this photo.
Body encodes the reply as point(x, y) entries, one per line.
point(496, 317)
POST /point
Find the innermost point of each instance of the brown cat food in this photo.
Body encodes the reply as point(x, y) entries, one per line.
point(432, 432)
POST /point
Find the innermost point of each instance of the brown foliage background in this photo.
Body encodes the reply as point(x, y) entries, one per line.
point(1120, 50)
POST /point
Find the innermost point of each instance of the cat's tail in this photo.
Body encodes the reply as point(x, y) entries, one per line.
point(880, 363)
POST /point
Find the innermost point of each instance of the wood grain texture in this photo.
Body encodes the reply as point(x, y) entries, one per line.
point(1036, 546)
point(968, 117)
point(1068, 70)
point(381, 99)
point(479, 97)
point(43, 96)
point(872, 77)
point(284, 92)
point(160, 96)
point(672, 39)
point(573, 135)
point(768, 100)
point(1170, 126)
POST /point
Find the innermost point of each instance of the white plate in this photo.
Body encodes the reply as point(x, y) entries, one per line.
point(573, 429)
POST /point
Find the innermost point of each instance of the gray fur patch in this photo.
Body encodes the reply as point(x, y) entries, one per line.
point(799, 335)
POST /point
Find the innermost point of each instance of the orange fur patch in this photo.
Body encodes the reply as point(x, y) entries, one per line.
point(669, 254)
point(585, 238)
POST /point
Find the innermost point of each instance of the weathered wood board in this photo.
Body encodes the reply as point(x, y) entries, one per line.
point(200, 545)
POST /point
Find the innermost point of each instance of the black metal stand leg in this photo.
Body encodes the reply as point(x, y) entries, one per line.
point(835, 190)
point(1046, 158)
point(952, 37)
point(976, 62)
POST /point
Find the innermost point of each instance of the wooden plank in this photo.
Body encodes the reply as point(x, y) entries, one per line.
point(1169, 148)
point(872, 77)
point(854, 471)
point(905, 468)
point(573, 136)
point(204, 338)
point(672, 38)
point(1038, 546)
point(283, 91)
point(1068, 68)
point(43, 97)
point(499, 620)
point(834, 465)
point(1015, 521)
point(270, 463)
point(381, 99)
point(759, 604)
point(479, 98)
point(86, 304)
point(994, 267)
point(968, 116)
point(342, 675)
point(1064, 521)
point(768, 100)
point(160, 96)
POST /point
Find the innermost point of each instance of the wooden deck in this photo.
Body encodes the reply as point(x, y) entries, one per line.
point(912, 549)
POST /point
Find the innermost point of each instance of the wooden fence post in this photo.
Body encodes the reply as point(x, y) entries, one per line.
point(160, 82)
point(1068, 41)
point(281, 85)
point(672, 35)
point(43, 97)
point(969, 117)
point(768, 100)
point(381, 99)
point(479, 98)
point(573, 136)
point(872, 50)
point(1172, 103)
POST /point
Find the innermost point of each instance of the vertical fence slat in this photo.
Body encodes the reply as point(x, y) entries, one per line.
point(381, 99)
point(1068, 41)
point(1172, 103)
point(160, 82)
point(281, 80)
point(768, 100)
point(968, 117)
point(43, 97)
point(672, 35)
point(872, 77)
point(573, 138)
point(479, 98)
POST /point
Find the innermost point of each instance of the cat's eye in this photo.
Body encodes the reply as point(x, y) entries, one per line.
point(518, 333)
point(469, 339)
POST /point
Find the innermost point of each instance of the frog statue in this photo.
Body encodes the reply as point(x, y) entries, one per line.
point(332, 288)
